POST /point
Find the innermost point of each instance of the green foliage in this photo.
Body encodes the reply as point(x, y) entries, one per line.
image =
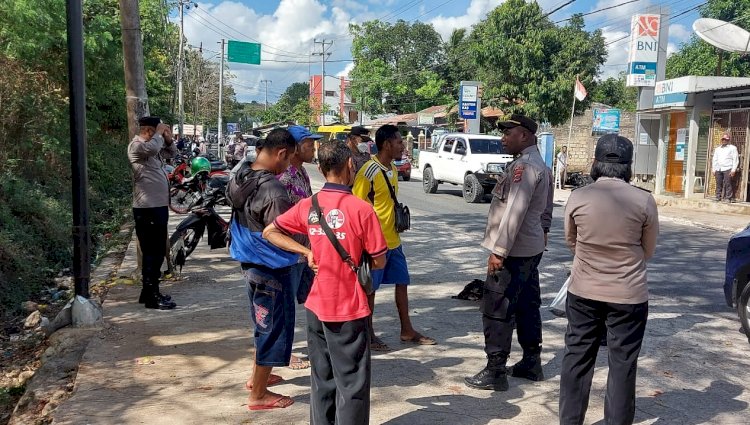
point(388, 59)
point(35, 200)
point(295, 93)
point(615, 93)
point(529, 65)
point(696, 57)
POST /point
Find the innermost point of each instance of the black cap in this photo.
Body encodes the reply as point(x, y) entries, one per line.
point(614, 149)
point(149, 121)
point(359, 131)
point(518, 120)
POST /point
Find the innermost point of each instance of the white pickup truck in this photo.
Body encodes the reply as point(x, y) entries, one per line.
point(474, 161)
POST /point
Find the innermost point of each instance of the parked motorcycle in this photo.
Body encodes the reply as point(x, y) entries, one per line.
point(578, 179)
point(203, 217)
point(185, 192)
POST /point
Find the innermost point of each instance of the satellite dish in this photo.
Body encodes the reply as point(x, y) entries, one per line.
point(724, 35)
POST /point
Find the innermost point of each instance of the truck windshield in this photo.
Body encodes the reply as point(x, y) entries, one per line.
point(486, 146)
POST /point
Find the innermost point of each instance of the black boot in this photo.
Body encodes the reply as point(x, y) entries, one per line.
point(148, 288)
point(492, 377)
point(530, 366)
point(152, 298)
point(144, 296)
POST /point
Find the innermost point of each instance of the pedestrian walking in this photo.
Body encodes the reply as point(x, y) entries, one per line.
point(257, 198)
point(611, 227)
point(337, 308)
point(240, 149)
point(724, 165)
point(516, 234)
point(358, 142)
point(562, 166)
point(373, 184)
point(297, 184)
point(146, 153)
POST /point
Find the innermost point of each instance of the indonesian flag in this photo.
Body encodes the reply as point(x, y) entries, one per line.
point(580, 91)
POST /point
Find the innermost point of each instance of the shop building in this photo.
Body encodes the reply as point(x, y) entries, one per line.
point(677, 136)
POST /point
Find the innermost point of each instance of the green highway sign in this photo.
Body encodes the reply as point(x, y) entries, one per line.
point(242, 52)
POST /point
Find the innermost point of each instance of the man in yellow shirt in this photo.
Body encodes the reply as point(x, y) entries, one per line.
point(371, 185)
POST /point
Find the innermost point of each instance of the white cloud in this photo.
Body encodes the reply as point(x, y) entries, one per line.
point(345, 72)
point(476, 11)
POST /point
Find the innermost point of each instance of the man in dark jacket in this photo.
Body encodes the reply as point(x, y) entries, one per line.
point(257, 198)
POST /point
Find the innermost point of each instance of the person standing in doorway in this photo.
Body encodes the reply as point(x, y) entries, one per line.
point(146, 154)
point(611, 227)
point(562, 166)
point(516, 235)
point(724, 164)
point(371, 185)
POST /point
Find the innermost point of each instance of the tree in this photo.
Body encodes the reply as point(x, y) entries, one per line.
point(296, 92)
point(389, 64)
point(614, 92)
point(696, 57)
point(459, 64)
point(529, 64)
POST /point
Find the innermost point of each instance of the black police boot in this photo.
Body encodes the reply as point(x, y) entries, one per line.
point(530, 366)
point(144, 296)
point(148, 288)
point(492, 377)
point(153, 299)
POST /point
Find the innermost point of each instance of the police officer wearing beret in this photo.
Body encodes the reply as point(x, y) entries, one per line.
point(519, 219)
point(611, 227)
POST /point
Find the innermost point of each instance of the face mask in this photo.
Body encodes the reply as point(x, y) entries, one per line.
point(363, 147)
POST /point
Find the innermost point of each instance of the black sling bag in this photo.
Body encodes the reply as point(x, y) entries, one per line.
point(401, 211)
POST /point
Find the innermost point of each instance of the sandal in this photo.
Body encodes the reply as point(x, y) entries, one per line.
point(272, 380)
point(377, 344)
point(279, 403)
point(419, 339)
point(297, 363)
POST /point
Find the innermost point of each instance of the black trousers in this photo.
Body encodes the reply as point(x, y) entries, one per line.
point(625, 325)
point(724, 187)
point(341, 371)
point(151, 228)
point(524, 300)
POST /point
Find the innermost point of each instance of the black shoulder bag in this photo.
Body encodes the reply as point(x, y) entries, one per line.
point(403, 216)
point(364, 276)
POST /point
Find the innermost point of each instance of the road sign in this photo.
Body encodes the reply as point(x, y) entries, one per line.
point(467, 104)
point(242, 52)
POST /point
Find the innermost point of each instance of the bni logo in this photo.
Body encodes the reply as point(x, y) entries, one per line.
point(648, 25)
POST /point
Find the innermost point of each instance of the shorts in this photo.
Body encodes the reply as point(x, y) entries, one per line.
point(395, 272)
point(272, 313)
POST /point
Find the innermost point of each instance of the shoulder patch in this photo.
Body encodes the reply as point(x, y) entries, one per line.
point(518, 173)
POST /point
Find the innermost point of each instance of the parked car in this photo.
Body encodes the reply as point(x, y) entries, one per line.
point(737, 277)
point(474, 161)
point(404, 168)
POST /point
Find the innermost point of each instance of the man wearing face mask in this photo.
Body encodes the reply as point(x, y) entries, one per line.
point(516, 235)
point(357, 140)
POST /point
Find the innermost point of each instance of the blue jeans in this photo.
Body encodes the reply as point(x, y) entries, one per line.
point(272, 313)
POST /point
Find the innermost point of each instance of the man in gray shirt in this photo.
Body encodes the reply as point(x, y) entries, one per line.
point(146, 153)
point(517, 226)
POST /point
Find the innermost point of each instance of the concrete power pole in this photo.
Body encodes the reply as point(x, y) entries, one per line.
point(266, 83)
point(182, 4)
point(323, 55)
point(135, 80)
point(221, 90)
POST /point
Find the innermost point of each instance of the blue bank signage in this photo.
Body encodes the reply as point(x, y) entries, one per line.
point(467, 102)
point(606, 120)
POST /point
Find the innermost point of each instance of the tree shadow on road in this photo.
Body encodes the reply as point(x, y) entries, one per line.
point(461, 409)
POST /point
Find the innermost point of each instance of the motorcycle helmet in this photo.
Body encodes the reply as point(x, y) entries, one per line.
point(198, 165)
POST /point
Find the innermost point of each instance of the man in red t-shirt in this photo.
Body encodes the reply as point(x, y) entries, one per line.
point(337, 310)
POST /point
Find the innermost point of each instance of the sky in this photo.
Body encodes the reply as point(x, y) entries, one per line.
point(286, 30)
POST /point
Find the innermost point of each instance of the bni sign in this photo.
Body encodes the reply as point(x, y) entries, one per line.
point(467, 103)
point(644, 50)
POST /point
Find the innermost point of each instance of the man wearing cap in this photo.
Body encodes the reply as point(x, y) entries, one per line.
point(724, 164)
point(519, 219)
point(357, 140)
point(146, 152)
point(611, 227)
point(297, 184)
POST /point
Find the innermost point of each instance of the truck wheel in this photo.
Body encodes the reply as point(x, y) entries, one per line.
point(429, 184)
point(473, 190)
point(743, 310)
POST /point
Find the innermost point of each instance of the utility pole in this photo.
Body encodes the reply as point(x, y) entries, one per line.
point(136, 97)
point(197, 90)
point(323, 55)
point(266, 83)
point(221, 88)
point(182, 4)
